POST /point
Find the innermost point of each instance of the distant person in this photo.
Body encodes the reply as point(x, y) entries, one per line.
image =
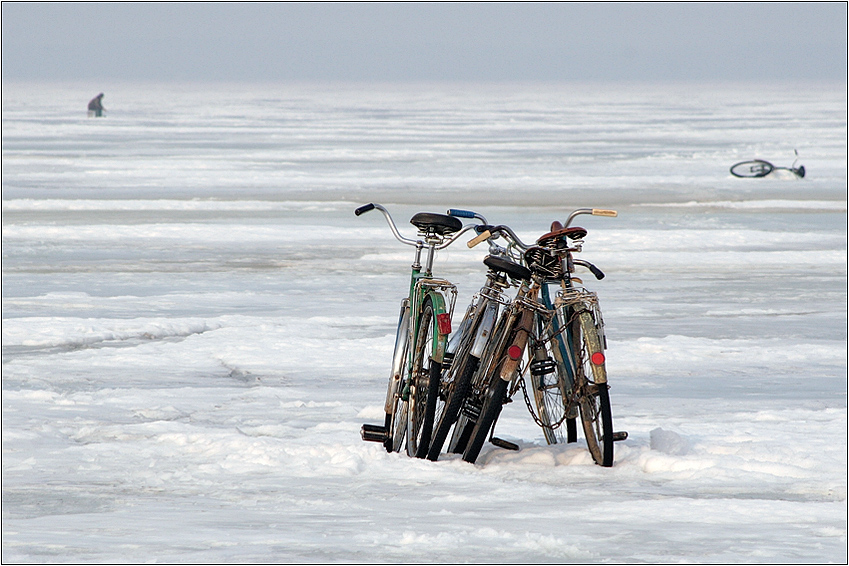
point(95, 106)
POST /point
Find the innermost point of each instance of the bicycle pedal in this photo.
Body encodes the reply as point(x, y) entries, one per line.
point(373, 433)
point(621, 435)
point(501, 443)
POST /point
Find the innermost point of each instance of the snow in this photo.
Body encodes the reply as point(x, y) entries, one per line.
point(195, 324)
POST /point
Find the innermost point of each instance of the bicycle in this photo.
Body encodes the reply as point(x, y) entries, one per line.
point(568, 371)
point(421, 337)
point(564, 343)
point(467, 345)
point(760, 168)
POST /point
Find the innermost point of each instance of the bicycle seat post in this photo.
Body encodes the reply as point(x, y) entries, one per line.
point(417, 262)
point(432, 240)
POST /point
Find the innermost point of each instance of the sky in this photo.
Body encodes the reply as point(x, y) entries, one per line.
point(408, 42)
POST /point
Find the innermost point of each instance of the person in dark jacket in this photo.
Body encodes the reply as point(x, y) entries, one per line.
point(95, 106)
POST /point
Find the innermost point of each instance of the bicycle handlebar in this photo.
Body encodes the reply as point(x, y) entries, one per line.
point(593, 211)
point(595, 271)
point(466, 214)
point(502, 230)
point(364, 208)
point(372, 206)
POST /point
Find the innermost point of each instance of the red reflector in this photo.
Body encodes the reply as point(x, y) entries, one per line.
point(598, 358)
point(514, 352)
point(443, 321)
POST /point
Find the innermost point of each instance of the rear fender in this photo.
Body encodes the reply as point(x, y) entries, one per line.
point(399, 358)
point(440, 341)
point(520, 340)
point(484, 329)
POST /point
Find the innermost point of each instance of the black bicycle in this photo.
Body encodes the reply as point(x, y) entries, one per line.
point(761, 168)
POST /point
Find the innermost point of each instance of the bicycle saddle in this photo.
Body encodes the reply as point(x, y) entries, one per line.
point(512, 269)
point(558, 232)
point(441, 224)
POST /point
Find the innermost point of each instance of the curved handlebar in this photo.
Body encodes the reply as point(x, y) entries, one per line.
point(364, 208)
point(593, 211)
point(466, 214)
point(595, 271)
point(500, 230)
point(372, 206)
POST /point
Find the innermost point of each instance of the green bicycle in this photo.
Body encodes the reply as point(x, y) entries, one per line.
point(421, 338)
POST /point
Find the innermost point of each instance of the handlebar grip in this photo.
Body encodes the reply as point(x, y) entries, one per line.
point(364, 208)
point(461, 213)
point(604, 212)
point(479, 238)
point(599, 274)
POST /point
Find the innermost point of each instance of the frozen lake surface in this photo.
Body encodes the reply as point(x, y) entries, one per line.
point(195, 324)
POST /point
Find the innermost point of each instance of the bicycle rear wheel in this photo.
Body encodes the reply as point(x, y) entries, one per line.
point(554, 400)
point(754, 168)
point(424, 385)
point(552, 375)
point(593, 396)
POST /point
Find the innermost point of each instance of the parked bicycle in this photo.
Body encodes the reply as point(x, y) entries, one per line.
point(424, 324)
point(467, 345)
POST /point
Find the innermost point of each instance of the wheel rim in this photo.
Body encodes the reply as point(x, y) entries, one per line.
point(399, 430)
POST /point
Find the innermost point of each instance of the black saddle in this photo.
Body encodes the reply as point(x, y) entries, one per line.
point(512, 269)
point(441, 224)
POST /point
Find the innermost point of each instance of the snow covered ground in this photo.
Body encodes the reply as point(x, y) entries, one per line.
point(195, 324)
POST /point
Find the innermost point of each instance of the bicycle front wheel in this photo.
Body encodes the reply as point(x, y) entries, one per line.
point(424, 384)
point(593, 396)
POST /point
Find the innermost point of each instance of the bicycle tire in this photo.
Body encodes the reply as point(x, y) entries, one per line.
point(399, 425)
point(752, 169)
point(493, 402)
point(593, 395)
point(424, 384)
point(479, 385)
point(451, 410)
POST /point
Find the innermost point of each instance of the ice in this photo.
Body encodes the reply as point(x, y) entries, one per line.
point(195, 324)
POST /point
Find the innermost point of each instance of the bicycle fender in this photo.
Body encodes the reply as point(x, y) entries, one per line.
point(457, 337)
point(484, 330)
point(440, 340)
point(402, 338)
point(590, 331)
point(520, 340)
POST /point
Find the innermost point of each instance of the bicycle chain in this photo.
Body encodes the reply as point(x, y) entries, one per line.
point(533, 415)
